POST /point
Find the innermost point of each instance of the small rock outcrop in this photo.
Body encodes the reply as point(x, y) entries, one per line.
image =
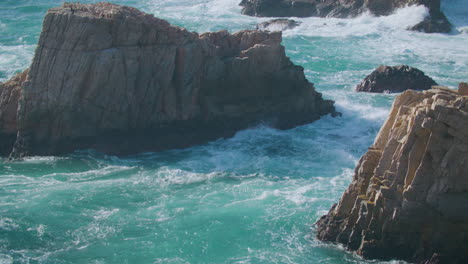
point(409, 195)
point(396, 79)
point(279, 24)
point(463, 88)
point(118, 80)
point(435, 22)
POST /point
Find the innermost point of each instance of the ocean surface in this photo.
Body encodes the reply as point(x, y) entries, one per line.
point(252, 198)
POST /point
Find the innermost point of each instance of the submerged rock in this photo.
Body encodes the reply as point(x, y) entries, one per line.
point(395, 79)
point(118, 80)
point(279, 24)
point(409, 195)
point(435, 22)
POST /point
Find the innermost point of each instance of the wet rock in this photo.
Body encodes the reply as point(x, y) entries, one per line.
point(435, 22)
point(279, 24)
point(121, 81)
point(396, 79)
point(409, 195)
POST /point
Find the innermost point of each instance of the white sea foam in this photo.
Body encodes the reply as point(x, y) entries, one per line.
point(89, 174)
point(105, 213)
point(166, 176)
point(6, 259)
point(362, 25)
point(14, 59)
point(8, 224)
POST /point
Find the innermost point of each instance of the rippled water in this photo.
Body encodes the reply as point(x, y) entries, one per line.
point(249, 199)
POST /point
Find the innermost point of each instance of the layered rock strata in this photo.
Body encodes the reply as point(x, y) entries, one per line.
point(434, 22)
point(113, 78)
point(396, 79)
point(409, 195)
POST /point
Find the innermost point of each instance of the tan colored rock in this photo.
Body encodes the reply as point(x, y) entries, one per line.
point(409, 196)
point(463, 88)
point(118, 80)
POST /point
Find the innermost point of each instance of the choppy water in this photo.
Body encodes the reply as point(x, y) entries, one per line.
point(249, 199)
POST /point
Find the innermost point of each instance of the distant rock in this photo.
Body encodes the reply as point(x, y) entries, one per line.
point(396, 79)
point(121, 81)
point(279, 24)
point(463, 30)
point(409, 196)
point(435, 22)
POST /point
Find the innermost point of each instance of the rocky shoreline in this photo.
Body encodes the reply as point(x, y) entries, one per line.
point(409, 195)
point(435, 22)
point(121, 81)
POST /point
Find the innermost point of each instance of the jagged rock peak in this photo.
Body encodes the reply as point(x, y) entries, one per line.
point(118, 80)
point(395, 79)
point(409, 195)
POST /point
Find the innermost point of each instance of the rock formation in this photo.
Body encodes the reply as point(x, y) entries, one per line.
point(113, 78)
point(463, 88)
point(435, 22)
point(395, 80)
point(409, 195)
point(10, 93)
point(279, 24)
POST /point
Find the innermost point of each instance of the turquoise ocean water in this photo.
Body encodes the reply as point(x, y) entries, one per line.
point(249, 199)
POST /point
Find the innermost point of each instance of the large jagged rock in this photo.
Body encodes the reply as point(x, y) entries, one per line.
point(435, 22)
point(113, 78)
point(396, 79)
point(409, 195)
point(10, 93)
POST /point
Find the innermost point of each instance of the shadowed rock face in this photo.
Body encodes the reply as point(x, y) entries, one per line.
point(435, 22)
point(395, 79)
point(409, 195)
point(10, 93)
point(116, 79)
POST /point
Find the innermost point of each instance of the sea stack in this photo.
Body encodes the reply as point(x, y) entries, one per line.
point(396, 79)
point(434, 22)
point(409, 195)
point(118, 80)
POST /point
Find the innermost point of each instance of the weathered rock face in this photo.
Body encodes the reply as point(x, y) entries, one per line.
point(116, 79)
point(10, 93)
point(463, 88)
point(279, 24)
point(435, 22)
point(409, 195)
point(395, 79)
